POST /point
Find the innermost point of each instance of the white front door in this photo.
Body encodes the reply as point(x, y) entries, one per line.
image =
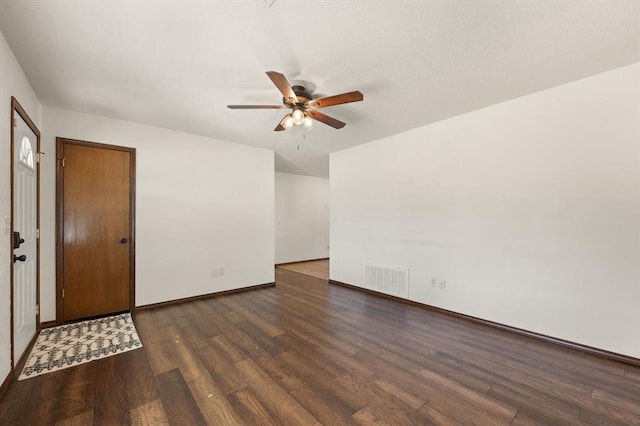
point(25, 192)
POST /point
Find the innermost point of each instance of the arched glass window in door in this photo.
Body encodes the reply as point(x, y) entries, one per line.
point(26, 153)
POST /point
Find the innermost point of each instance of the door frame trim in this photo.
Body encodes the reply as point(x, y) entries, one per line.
point(15, 106)
point(60, 142)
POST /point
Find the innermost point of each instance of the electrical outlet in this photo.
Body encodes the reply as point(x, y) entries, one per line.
point(434, 282)
point(217, 272)
point(443, 284)
point(7, 226)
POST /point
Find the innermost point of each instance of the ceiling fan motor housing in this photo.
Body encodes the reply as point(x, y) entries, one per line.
point(301, 93)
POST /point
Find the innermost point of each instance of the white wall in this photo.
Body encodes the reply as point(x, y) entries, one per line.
point(530, 209)
point(201, 204)
point(12, 83)
point(302, 218)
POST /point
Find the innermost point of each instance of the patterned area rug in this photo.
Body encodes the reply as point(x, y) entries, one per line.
point(73, 344)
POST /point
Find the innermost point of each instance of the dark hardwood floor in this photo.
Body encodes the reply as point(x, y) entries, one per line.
point(306, 352)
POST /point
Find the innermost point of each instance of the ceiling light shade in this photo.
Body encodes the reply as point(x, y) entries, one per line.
point(308, 123)
point(288, 123)
point(298, 117)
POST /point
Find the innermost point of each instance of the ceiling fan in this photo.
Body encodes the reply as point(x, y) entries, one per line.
point(304, 107)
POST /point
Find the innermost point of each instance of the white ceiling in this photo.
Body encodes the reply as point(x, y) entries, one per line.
point(177, 64)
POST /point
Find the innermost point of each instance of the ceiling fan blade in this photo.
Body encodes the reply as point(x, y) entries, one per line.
point(323, 118)
point(283, 86)
point(256, 106)
point(280, 127)
point(344, 98)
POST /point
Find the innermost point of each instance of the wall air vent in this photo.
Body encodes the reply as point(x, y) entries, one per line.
point(393, 280)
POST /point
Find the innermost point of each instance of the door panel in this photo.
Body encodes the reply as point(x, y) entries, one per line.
point(96, 230)
point(25, 260)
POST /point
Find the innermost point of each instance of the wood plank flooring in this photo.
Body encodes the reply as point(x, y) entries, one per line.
point(306, 352)
point(315, 268)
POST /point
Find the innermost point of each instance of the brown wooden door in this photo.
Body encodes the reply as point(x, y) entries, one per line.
point(95, 188)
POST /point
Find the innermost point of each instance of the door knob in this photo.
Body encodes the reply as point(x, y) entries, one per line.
point(123, 241)
point(20, 258)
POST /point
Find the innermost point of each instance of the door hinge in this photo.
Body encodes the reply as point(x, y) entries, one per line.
point(37, 309)
point(61, 161)
point(63, 293)
point(38, 233)
point(39, 156)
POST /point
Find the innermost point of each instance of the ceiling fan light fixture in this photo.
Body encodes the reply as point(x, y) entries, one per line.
point(297, 116)
point(288, 123)
point(308, 123)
